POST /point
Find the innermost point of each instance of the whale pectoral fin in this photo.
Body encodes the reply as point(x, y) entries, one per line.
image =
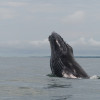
point(68, 75)
point(79, 71)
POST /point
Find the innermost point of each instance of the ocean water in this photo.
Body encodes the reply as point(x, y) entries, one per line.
point(25, 78)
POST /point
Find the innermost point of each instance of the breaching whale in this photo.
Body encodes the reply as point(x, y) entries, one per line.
point(62, 61)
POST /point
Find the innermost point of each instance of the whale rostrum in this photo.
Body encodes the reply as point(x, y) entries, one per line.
point(62, 61)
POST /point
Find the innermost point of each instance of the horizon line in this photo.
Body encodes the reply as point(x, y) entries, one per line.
point(80, 56)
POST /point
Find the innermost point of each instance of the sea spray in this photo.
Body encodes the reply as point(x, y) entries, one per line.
point(95, 77)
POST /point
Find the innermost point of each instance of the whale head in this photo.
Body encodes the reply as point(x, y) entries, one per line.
point(59, 46)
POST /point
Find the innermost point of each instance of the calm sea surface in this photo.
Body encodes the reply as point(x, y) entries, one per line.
point(25, 78)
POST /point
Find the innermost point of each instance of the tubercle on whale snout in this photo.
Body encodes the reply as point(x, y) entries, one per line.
point(59, 63)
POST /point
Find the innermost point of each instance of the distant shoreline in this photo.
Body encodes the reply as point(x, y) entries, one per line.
point(87, 56)
point(46, 56)
point(75, 56)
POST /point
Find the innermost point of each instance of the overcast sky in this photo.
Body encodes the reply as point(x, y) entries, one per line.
point(26, 24)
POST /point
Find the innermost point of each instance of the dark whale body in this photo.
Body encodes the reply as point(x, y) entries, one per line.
point(62, 60)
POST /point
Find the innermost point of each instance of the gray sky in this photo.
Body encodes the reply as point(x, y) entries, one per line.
point(26, 24)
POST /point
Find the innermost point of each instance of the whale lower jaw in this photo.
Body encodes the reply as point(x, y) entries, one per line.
point(65, 75)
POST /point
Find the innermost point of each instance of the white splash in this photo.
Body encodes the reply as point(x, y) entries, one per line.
point(94, 77)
